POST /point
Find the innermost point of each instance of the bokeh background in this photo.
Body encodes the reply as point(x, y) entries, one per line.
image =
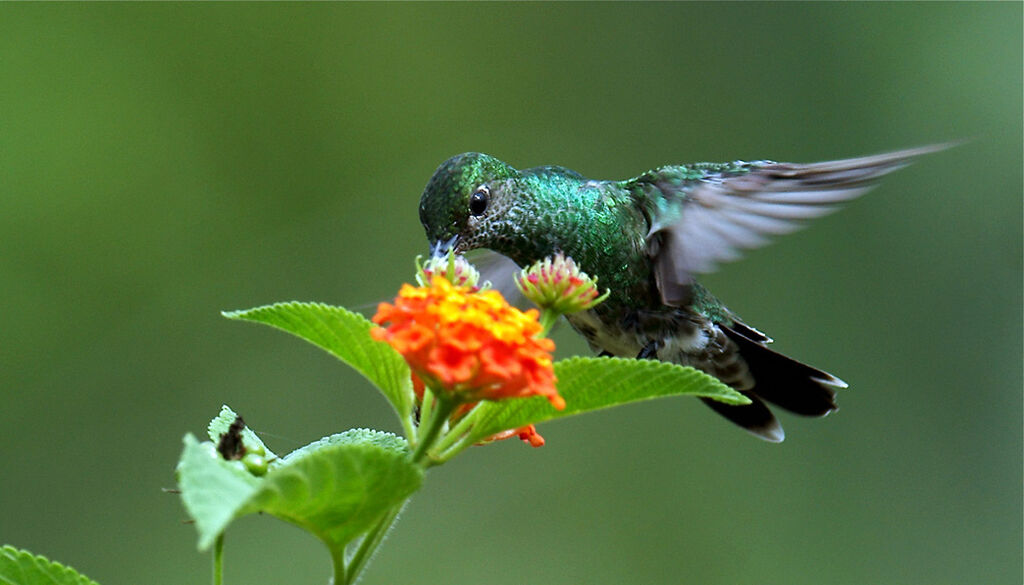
point(160, 163)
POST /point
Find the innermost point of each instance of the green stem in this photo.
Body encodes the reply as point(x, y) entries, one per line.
point(456, 433)
point(218, 560)
point(409, 428)
point(369, 544)
point(451, 451)
point(340, 572)
point(548, 318)
point(437, 417)
point(426, 409)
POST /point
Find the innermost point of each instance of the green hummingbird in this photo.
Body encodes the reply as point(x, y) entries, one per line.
point(646, 239)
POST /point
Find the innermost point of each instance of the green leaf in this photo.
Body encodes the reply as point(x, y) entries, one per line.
point(385, 441)
point(592, 383)
point(346, 336)
point(336, 488)
point(213, 490)
point(224, 420)
point(340, 486)
point(20, 567)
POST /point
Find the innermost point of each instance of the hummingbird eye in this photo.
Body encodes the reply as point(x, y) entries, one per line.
point(478, 202)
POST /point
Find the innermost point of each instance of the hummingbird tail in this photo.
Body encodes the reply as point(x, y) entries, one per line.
point(755, 417)
point(779, 380)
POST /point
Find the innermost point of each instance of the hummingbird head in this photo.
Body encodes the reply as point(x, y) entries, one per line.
point(462, 204)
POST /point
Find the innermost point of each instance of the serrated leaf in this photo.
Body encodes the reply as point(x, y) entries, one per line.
point(385, 441)
point(213, 490)
point(20, 567)
point(219, 425)
point(590, 383)
point(346, 336)
point(342, 486)
point(336, 488)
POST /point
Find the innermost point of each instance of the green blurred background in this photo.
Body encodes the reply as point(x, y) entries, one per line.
point(160, 163)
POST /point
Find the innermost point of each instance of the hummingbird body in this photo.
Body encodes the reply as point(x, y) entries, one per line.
point(645, 239)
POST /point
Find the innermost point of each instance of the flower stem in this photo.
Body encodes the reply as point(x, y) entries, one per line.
point(409, 426)
point(426, 410)
point(436, 419)
point(452, 442)
point(548, 318)
point(450, 451)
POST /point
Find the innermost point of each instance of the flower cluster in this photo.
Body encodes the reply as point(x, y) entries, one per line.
point(557, 284)
point(468, 345)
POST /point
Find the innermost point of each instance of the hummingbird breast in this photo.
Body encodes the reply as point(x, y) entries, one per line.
point(668, 334)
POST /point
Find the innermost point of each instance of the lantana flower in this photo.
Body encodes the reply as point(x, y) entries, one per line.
point(468, 346)
point(558, 285)
point(527, 434)
point(453, 267)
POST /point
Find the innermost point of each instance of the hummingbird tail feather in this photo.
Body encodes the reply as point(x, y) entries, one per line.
point(755, 417)
point(779, 380)
point(785, 382)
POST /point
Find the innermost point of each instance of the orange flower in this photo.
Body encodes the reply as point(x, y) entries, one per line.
point(469, 345)
point(527, 434)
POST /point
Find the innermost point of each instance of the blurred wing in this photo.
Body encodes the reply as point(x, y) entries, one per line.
point(500, 271)
point(720, 217)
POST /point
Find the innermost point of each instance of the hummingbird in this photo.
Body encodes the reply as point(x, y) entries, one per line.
point(647, 239)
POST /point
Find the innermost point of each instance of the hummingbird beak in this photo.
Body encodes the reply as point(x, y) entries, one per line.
point(442, 247)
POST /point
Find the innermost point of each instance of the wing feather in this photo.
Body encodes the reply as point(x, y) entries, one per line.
point(720, 215)
point(500, 271)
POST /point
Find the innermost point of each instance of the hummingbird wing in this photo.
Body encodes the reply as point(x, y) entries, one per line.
point(500, 271)
point(698, 223)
